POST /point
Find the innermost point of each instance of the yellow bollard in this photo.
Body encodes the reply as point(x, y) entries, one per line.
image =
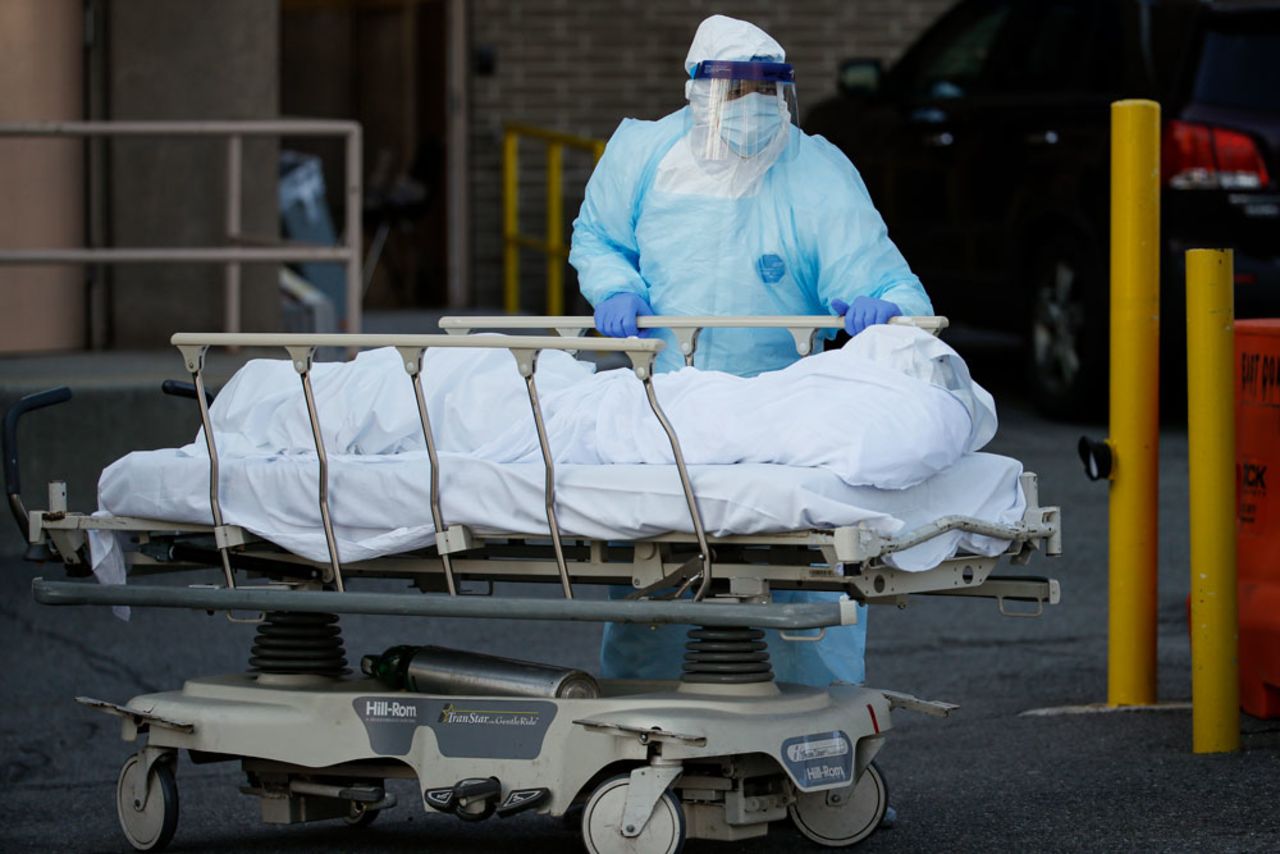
point(1135, 402)
point(1211, 441)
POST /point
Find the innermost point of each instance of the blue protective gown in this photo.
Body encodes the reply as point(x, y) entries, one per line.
point(806, 235)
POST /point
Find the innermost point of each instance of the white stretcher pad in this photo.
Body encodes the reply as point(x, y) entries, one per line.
point(380, 504)
point(883, 432)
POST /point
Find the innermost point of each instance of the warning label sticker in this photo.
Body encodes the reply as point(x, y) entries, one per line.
point(1259, 377)
point(1251, 491)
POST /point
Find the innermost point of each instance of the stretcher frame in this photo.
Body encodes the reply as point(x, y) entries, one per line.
point(314, 748)
point(742, 570)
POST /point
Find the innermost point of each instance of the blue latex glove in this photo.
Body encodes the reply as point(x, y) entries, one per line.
point(864, 312)
point(616, 316)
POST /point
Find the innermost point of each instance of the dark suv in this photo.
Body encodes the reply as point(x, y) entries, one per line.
point(986, 148)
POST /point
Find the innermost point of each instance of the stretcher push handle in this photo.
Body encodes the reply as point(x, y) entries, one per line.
point(13, 471)
point(358, 341)
point(804, 329)
point(579, 324)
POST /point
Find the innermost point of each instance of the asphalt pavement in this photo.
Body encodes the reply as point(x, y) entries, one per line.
point(990, 777)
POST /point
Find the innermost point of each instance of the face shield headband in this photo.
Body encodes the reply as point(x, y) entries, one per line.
point(768, 72)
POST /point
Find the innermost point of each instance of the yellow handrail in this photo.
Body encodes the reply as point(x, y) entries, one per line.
point(553, 245)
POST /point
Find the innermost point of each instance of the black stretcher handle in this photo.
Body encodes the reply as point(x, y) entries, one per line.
point(181, 389)
point(12, 471)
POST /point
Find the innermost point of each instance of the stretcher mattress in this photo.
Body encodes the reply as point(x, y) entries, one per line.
point(380, 504)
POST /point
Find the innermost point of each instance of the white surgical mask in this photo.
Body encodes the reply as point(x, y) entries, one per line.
point(748, 124)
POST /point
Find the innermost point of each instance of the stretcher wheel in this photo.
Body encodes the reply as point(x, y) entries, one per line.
point(148, 826)
point(602, 822)
point(839, 817)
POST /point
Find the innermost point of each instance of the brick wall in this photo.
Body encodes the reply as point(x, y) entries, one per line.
point(580, 66)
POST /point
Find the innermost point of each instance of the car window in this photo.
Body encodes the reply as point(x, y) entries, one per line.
point(1104, 71)
point(1237, 65)
point(951, 64)
point(1048, 45)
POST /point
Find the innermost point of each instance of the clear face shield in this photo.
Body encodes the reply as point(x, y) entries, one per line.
point(742, 110)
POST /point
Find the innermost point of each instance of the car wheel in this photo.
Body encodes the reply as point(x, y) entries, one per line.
point(1068, 330)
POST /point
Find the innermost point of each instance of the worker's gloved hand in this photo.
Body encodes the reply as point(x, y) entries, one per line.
point(862, 312)
point(616, 316)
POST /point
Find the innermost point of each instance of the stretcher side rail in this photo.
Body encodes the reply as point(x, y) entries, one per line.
point(266, 598)
point(857, 545)
point(741, 581)
point(951, 578)
point(967, 576)
point(963, 575)
point(412, 349)
point(804, 329)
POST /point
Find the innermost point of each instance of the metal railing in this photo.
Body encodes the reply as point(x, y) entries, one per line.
point(553, 246)
point(525, 349)
point(348, 252)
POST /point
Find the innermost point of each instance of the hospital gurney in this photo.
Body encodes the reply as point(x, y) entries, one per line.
point(650, 764)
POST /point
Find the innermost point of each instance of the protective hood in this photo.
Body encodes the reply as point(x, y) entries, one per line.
point(725, 38)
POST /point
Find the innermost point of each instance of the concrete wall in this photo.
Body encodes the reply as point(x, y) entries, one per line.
point(41, 180)
point(582, 66)
point(189, 59)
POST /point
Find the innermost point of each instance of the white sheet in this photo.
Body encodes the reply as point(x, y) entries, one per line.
point(380, 504)
point(890, 409)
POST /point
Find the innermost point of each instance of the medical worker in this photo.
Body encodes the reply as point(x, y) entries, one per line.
point(725, 207)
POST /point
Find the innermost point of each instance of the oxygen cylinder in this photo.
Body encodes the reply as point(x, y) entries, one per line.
point(437, 670)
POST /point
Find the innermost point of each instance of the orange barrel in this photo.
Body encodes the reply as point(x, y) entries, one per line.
point(1258, 513)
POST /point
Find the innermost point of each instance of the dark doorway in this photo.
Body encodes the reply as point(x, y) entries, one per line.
point(383, 64)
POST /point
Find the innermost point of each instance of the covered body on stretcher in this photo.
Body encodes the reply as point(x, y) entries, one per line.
point(856, 470)
point(449, 458)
